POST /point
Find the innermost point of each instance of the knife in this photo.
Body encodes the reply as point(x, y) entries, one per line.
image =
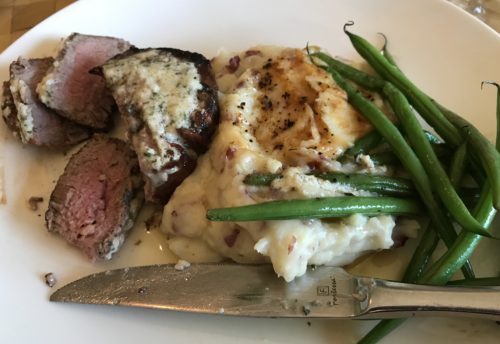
point(255, 291)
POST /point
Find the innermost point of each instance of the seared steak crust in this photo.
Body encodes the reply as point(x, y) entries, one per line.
point(194, 133)
point(96, 200)
point(9, 111)
point(36, 123)
point(71, 90)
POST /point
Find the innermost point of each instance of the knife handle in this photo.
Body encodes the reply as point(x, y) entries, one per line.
point(387, 299)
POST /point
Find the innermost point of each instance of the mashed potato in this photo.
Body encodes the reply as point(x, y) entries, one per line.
point(279, 114)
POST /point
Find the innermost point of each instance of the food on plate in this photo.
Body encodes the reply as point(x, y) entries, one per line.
point(30, 120)
point(9, 111)
point(96, 200)
point(33, 202)
point(280, 114)
point(50, 279)
point(69, 89)
point(432, 183)
point(181, 265)
point(168, 99)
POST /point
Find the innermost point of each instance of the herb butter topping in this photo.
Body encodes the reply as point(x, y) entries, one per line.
point(163, 90)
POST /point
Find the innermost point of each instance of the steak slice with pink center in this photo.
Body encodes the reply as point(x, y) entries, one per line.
point(30, 120)
point(96, 200)
point(71, 90)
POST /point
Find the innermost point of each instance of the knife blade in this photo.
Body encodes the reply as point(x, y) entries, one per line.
point(256, 291)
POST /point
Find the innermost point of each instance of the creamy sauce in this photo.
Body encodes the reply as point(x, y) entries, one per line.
point(279, 114)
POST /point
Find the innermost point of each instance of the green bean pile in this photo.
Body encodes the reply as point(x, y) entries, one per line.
point(469, 144)
point(436, 168)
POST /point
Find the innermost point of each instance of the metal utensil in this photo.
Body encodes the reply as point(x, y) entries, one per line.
point(255, 291)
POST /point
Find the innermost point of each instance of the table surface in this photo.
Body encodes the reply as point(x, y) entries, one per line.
point(18, 16)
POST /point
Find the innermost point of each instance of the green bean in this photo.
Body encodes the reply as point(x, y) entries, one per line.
point(442, 150)
point(385, 52)
point(382, 329)
point(445, 122)
point(412, 164)
point(448, 264)
point(388, 158)
point(437, 175)
point(445, 267)
point(422, 254)
point(498, 108)
point(477, 282)
point(314, 208)
point(467, 242)
point(490, 159)
point(430, 239)
point(405, 154)
point(261, 179)
point(365, 144)
point(476, 171)
point(497, 143)
point(364, 80)
point(417, 98)
point(458, 166)
point(387, 186)
point(460, 252)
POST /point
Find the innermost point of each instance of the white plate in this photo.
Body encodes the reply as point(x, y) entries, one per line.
point(442, 49)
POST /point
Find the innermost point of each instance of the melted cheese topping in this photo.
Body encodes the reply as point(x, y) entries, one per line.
point(164, 89)
point(278, 115)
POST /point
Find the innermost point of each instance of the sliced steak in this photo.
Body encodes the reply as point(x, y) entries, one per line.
point(9, 111)
point(168, 98)
point(96, 200)
point(71, 90)
point(31, 120)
